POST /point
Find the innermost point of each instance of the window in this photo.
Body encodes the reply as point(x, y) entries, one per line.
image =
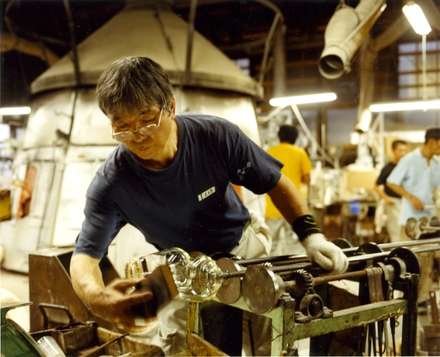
point(410, 69)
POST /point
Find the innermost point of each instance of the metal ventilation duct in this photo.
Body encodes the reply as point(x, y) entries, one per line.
point(346, 30)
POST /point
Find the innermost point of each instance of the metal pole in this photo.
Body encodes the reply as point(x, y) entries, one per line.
point(324, 128)
point(426, 250)
point(267, 49)
point(291, 284)
point(381, 140)
point(307, 264)
point(301, 262)
point(409, 326)
point(424, 67)
point(189, 41)
point(278, 18)
point(304, 258)
point(75, 59)
point(279, 65)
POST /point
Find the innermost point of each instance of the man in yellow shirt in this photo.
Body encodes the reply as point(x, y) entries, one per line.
point(297, 167)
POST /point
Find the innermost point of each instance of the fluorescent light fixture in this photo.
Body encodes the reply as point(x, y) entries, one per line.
point(303, 99)
point(433, 104)
point(416, 18)
point(15, 111)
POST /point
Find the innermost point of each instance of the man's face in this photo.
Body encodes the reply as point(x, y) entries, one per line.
point(144, 132)
point(434, 146)
point(400, 151)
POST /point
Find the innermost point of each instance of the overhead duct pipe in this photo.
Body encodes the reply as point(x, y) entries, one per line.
point(346, 30)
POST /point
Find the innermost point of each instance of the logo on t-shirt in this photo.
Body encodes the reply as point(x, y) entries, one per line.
point(241, 173)
point(206, 194)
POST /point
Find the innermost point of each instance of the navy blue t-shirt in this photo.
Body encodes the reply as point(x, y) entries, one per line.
point(189, 204)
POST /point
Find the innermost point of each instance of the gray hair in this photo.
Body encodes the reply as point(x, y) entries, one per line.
point(133, 83)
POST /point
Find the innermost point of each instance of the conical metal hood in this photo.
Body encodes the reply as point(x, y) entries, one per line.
point(158, 34)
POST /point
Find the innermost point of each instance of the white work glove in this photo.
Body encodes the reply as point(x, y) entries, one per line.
point(326, 254)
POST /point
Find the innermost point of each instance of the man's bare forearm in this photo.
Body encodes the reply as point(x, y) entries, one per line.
point(399, 190)
point(288, 200)
point(86, 277)
point(305, 179)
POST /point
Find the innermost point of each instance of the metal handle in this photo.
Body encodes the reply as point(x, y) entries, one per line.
point(45, 306)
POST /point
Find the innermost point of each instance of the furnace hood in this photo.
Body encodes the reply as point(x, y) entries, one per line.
point(158, 34)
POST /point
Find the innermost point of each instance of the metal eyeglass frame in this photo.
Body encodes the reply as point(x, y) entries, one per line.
point(127, 135)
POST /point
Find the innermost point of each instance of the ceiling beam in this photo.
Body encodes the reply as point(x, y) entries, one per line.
point(11, 42)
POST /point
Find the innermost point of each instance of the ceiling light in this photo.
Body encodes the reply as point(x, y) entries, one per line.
point(15, 111)
point(433, 104)
point(416, 18)
point(303, 99)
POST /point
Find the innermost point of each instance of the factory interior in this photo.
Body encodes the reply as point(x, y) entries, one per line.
point(220, 178)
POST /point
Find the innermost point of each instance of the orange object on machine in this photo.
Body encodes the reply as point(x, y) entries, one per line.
point(26, 192)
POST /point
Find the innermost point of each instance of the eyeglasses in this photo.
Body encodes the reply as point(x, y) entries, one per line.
point(128, 135)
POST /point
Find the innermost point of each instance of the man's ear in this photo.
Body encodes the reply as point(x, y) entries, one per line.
point(173, 106)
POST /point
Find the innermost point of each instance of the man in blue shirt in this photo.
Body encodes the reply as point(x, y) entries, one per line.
point(416, 178)
point(171, 178)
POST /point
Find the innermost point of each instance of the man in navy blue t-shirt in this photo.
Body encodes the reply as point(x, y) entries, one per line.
point(171, 178)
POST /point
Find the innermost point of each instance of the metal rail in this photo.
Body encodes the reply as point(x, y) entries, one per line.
point(303, 262)
point(304, 258)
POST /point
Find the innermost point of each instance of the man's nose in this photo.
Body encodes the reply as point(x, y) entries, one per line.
point(137, 138)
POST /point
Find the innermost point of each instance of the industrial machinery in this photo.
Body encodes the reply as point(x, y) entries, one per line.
point(73, 338)
point(291, 291)
point(15, 341)
point(422, 227)
point(430, 340)
point(59, 318)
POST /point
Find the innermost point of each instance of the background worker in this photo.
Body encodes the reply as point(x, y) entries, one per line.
point(390, 198)
point(416, 178)
point(296, 167)
point(170, 177)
